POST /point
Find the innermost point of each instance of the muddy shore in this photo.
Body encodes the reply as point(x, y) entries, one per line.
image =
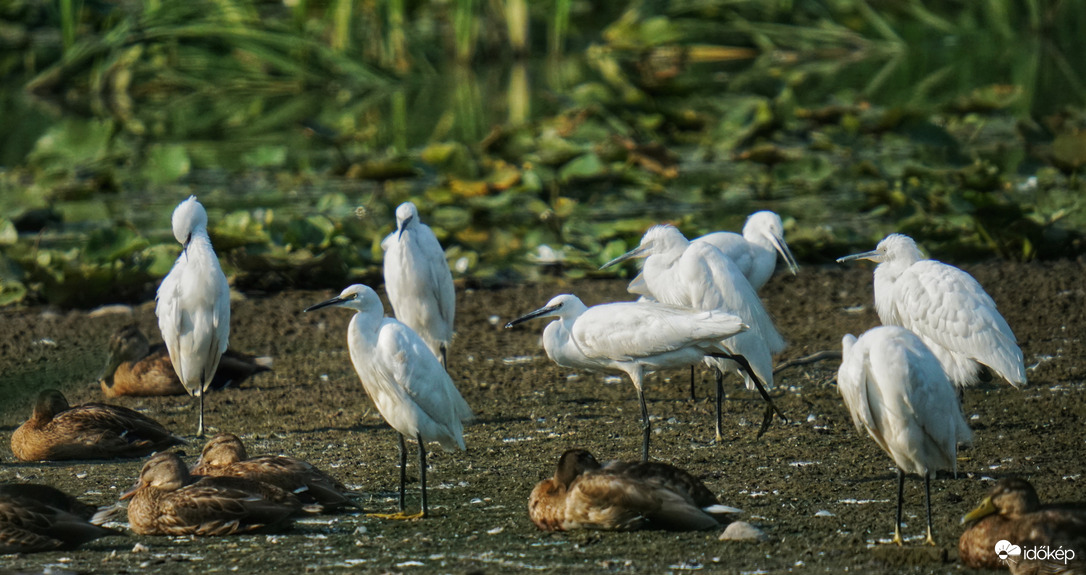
point(529, 410)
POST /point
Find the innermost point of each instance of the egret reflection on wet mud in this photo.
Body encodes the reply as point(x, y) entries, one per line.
point(897, 392)
point(699, 276)
point(193, 306)
point(405, 380)
point(418, 281)
point(947, 308)
point(632, 338)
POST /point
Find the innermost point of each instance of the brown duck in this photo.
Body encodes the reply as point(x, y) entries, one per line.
point(57, 431)
point(1013, 512)
point(48, 495)
point(225, 456)
point(28, 525)
point(168, 501)
point(623, 496)
point(136, 368)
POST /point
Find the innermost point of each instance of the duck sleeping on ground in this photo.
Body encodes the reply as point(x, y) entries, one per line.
point(623, 496)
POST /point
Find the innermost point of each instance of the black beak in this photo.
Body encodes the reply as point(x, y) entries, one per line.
point(403, 227)
point(532, 315)
point(332, 301)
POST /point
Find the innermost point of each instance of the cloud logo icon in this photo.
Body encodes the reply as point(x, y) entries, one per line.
point(1005, 549)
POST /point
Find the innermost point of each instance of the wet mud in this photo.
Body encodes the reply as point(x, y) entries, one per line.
point(823, 493)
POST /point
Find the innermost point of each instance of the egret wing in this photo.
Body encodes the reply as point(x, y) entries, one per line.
point(632, 330)
point(948, 306)
point(409, 371)
point(734, 246)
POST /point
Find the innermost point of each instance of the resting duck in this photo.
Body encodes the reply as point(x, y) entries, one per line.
point(166, 500)
point(58, 431)
point(28, 525)
point(138, 369)
point(623, 496)
point(48, 495)
point(1013, 512)
point(225, 456)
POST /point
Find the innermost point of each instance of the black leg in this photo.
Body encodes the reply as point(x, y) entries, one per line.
point(745, 366)
point(693, 396)
point(646, 428)
point(900, 499)
point(719, 399)
point(422, 474)
point(445, 357)
point(403, 470)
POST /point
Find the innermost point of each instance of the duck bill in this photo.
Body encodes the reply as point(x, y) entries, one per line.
point(782, 248)
point(872, 255)
point(334, 301)
point(128, 494)
point(985, 509)
point(638, 252)
point(537, 313)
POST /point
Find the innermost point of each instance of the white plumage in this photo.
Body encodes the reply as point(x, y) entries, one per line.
point(403, 377)
point(754, 252)
point(193, 305)
point(632, 338)
point(947, 308)
point(418, 281)
point(699, 276)
point(897, 392)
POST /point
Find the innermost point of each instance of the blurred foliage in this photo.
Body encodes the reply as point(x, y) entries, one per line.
point(302, 125)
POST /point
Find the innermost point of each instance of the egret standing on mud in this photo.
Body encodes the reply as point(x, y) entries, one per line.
point(947, 308)
point(193, 306)
point(404, 379)
point(896, 390)
point(418, 281)
point(698, 276)
point(632, 338)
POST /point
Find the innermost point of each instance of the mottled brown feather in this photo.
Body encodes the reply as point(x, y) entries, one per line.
point(56, 431)
point(169, 501)
point(225, 456)
point(1016, 515)
point(619, 496)
point(136, 368)
point(48, 495)
point(28, 525)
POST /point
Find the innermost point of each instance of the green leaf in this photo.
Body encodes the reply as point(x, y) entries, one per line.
point(166, 163)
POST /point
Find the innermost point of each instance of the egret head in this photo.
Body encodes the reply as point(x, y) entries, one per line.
point(164, 471)
point(659, 239)
point(767, 225)
point(357, 297)
point(561, 306)
point(406, 213)
point(572, 464)
point(188, 217)
point(893, 248)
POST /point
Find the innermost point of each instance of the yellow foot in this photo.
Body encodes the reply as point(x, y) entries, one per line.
point(930, 541)
point(401, 516)
point(898, 539)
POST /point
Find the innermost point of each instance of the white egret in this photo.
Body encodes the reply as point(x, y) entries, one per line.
point(754, 251)
point(418, 281)
point(404, 379)
point(947, 308)
point(896, 390)
point(632, 338)
point(698, 276)
point(193, 306)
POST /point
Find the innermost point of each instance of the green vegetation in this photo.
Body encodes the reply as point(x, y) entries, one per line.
point(302, 125)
